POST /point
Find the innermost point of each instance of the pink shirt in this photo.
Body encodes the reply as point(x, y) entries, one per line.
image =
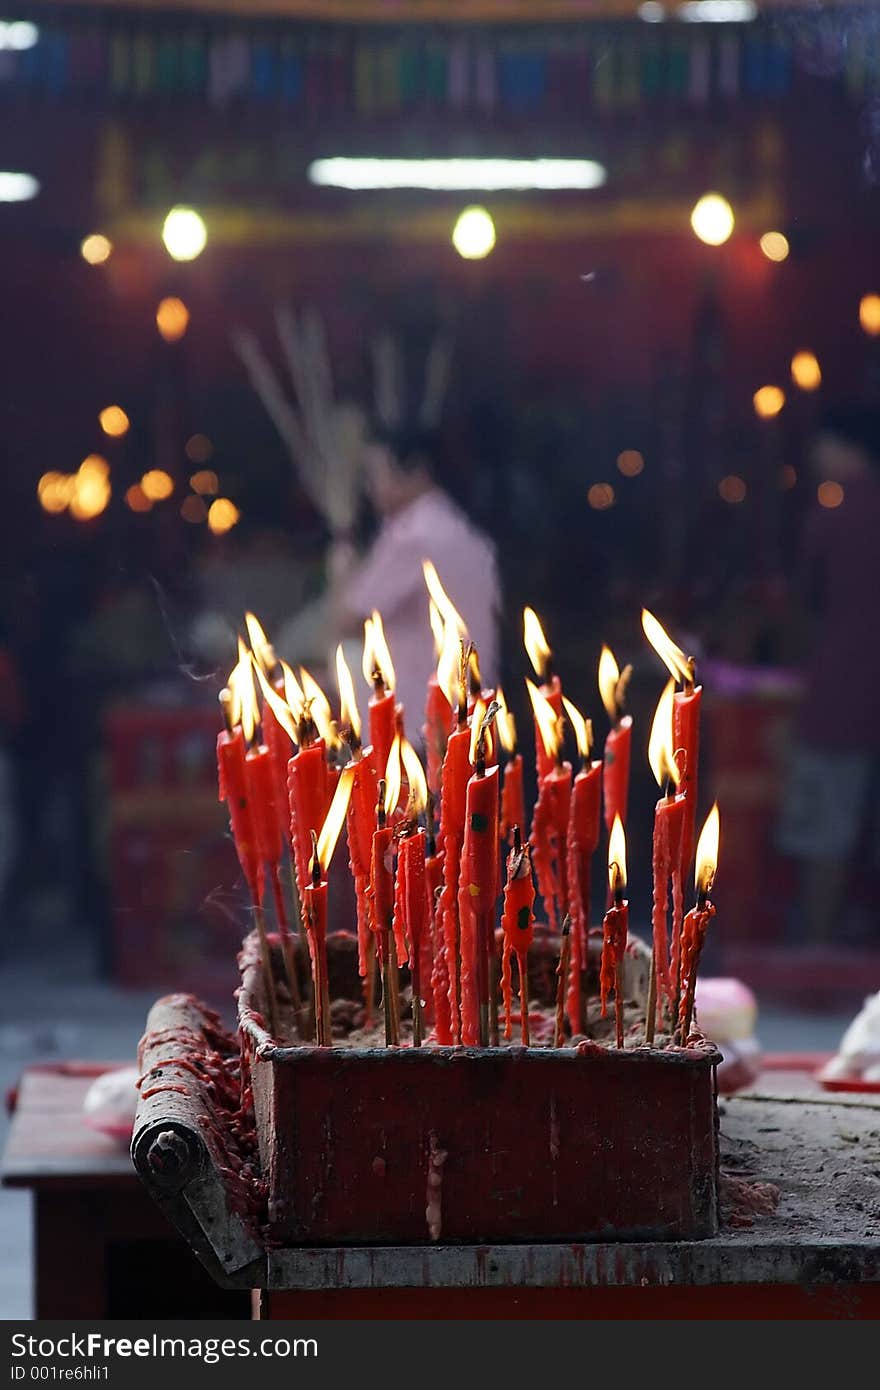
point(390, 578)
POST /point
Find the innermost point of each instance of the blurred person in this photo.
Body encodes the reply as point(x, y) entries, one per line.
point(832, 802)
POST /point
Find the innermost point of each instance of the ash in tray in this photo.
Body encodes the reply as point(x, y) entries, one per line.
point(347, 1010)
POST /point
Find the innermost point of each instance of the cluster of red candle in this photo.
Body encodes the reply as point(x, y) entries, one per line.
point(427, 895)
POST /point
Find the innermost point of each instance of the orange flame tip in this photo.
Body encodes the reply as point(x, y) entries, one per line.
point(661, 748)
point(536, 644)
point(415, 776)
point(672, 656)
point(261, 647)
point(583, 728)
point(617, 856)
point(447, 609)
point(377, 657)
point(393, 777)
point(707, 852)
point(545, 718)
point(505, 723)
point(334, 821)
point(277, 705)
point(349, 715)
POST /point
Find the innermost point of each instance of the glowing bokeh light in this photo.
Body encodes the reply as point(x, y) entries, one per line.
point(732, 489)
point(172, 319)
point(137, 499)
point(768, 401)
point(54, 491)
point(787, 477)
point(222, 516)
point(601, 496)
point(205, 482)
point(830, 494)
point(114, 421)
point(184, 234)
point(16, 187)
point(805, 371)
point(775, 246)
point(18, 35)
point(712, 219)
point(157, 484)
point(457, 175)
point(96, 249)
point(869, 314)
point(630, 463)
point(473, 235)
point(198, 448)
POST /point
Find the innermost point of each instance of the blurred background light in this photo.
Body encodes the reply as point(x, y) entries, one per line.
point(17, 187)
point(54, 491)
point(198, 448)
point(172, 319)
point(787, 477)
point(775, 246)
point(457, 175)
point(473, 235)
point(630, 463)
point(768, 401)
point(193, 510)
point(712, 219)
point(205, 482)
point(732, 489)
point(137, 499)
point(184, 234)
point(157, 484)
point(222, 516)
point(869, 314)
point(18, 34)
point(717, 11)
point(805, 371)
point(96, 248)
point(114, 421)
point(601, 496)
point(830, 494)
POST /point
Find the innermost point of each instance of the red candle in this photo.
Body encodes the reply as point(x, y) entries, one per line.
point(453, 804)
point(362, 806)
point(308, 797)
point(615, 928)
point(277, 733)
point(262, 793)
point(686, 736)
point(541, 657)
point(232, 782)
point(385, 715)
point(696, 923)
point(437, 963)
point(518, 925)
point(583, 841)
point(477, 896)
point(549, 833)
point(411, 867)
point(666, 849)
point(618, 744)
point(438, 718)
point(513, 810)
point(315, 904)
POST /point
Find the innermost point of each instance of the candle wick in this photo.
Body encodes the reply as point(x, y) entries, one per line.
point(517, 839)
point(379, 686)
point(316, 863)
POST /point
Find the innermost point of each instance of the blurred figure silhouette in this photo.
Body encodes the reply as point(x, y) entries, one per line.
point(832, 805)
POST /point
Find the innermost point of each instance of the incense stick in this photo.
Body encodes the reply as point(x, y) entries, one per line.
point(266, 957)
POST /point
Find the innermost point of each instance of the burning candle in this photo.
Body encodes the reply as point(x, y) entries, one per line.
point(382, 892)
point(666, 858)
point(513, 810)
point(385, 714)
point(685, 724)
point(453, 806)
point(439, 972)
point(550, 821)
point(411, 870)
point(518, 925)
point(232, 784)
point(615, 927)
point(583, 840)
point(361, 807)
point(618, 744)
point(541, 657)
point(438, 715)
point(315, 906)
point(478, 889)
point(696, 924)
point(275, 733)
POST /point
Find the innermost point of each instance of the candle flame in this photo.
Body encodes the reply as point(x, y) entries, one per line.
point(318, 708)
point(661, 750)
point(438, 627)
point(609, 682)
point(536, 644)
point(415, 776)
point(617, 856)
point(377, 657)
point(349, 715)
point(583, 728)
point(277, 705)
point(334, 820)
point(707, 852)
point(292, 690)
point(449, 666)
point(476, 724)
point(264, 652)
point(474, 676)
point(546, 720)
point(234, 697)
point(247, 695)
point(393, 777)
point(505, 723)
point(672, 656)
point(446, 608)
